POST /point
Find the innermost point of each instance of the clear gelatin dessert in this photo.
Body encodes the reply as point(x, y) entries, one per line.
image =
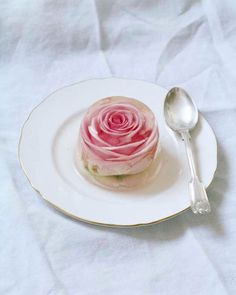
point(118, 143)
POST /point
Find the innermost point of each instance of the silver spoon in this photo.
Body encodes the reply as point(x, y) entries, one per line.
point(181, 115)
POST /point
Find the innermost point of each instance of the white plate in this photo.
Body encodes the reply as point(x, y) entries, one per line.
point(47, 148)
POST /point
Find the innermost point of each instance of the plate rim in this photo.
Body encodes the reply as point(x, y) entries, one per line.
point(77, 218)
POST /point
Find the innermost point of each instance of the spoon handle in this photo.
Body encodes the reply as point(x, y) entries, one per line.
point(199, 200)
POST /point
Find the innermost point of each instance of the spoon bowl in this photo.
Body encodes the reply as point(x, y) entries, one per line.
point(180, 112)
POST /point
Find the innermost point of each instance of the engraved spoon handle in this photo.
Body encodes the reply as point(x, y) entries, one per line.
point(199, 200)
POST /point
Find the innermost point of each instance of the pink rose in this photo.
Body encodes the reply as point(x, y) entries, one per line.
point(118, 136)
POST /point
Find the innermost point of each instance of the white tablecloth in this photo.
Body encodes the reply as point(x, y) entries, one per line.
point(47, 44)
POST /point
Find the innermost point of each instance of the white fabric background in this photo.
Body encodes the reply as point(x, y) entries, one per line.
point(46, 44)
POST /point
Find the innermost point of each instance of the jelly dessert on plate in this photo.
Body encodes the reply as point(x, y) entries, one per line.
point(118, 143)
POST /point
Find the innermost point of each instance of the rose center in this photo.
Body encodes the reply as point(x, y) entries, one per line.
point(117, 118)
